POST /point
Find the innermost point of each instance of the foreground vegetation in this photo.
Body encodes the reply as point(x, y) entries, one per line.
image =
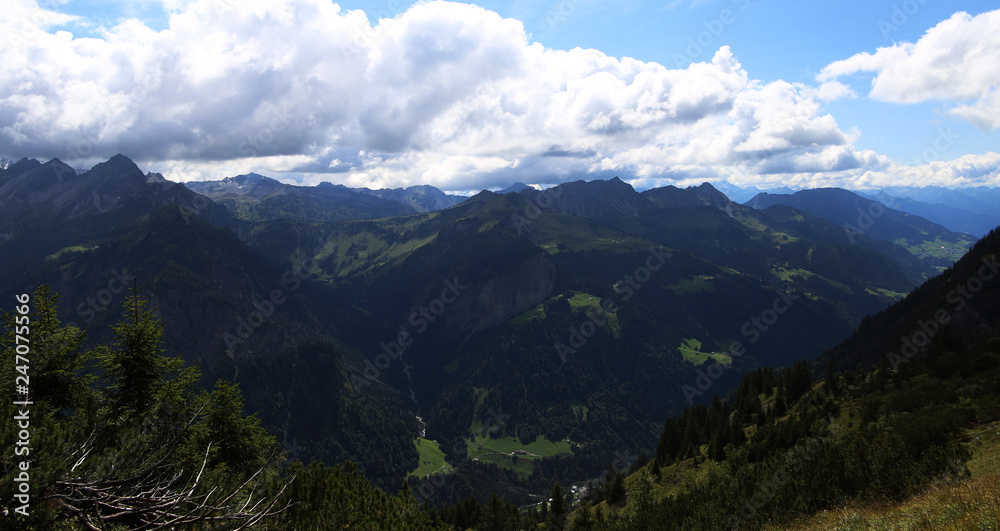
point(887, 449)
point(973, 503)
point(122, 437)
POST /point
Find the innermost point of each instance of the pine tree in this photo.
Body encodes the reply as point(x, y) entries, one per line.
point(832, 379)
point(584, 519)
point(239, 442)
point(498, 516)
point(882, 375)
point(62, 408)
point(616, 493)
point(557, 503)
point(641, 503)
point(670, 443)
point(134, 370)
point(133, 442)
point(58, 357)
point(780, 408)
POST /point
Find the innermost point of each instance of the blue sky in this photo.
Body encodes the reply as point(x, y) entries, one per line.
point(770, 42)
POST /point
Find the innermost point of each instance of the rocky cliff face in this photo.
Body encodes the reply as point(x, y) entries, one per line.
point(671, 197)
point(496, 300)
point(422, 198)
point(597, 200)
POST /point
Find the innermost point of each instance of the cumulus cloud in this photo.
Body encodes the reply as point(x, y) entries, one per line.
point(968, 170)
point(954, 62)
point(444, 93)
point(876, 172)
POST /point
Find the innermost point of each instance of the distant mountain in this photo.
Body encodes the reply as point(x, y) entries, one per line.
point(702, 220)
point(987, 194)
point(858, 215)
point(612, 202)
point(513, 189)
point(743, 194)
point(84, 233)
point(982, 200)
point(19, 166)
point(255, 198)
point(422, 198)
point(671, 197)
point(48, 209)
point(536, 267)
point(956, 219)
point(251, 186)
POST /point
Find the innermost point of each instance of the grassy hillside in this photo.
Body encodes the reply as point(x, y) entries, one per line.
point(511, 453)
point(431, 459)
point(973, 503)
point(915, 447)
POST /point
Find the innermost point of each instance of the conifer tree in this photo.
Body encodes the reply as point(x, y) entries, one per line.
point(498, 516)
point(135, 372)
point(832, 379)
point(57, 352)
point(238, 442)
point(584, 519)
point(616, 493)
point(641, 503)
point(557, 504)
point(126, 453)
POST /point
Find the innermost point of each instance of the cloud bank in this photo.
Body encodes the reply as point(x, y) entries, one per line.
point(445, 93)
point(956, 60)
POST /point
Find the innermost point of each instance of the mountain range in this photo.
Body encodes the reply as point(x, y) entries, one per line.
point(859, 215)
point(575, 318)
point(253, 197)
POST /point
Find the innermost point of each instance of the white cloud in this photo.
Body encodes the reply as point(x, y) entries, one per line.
point(875, 171)
point(968, 170)
point(954, 62)
point(446, 94)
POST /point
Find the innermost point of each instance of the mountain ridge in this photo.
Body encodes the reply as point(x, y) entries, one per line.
point(642, 290)
point(862, 216)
